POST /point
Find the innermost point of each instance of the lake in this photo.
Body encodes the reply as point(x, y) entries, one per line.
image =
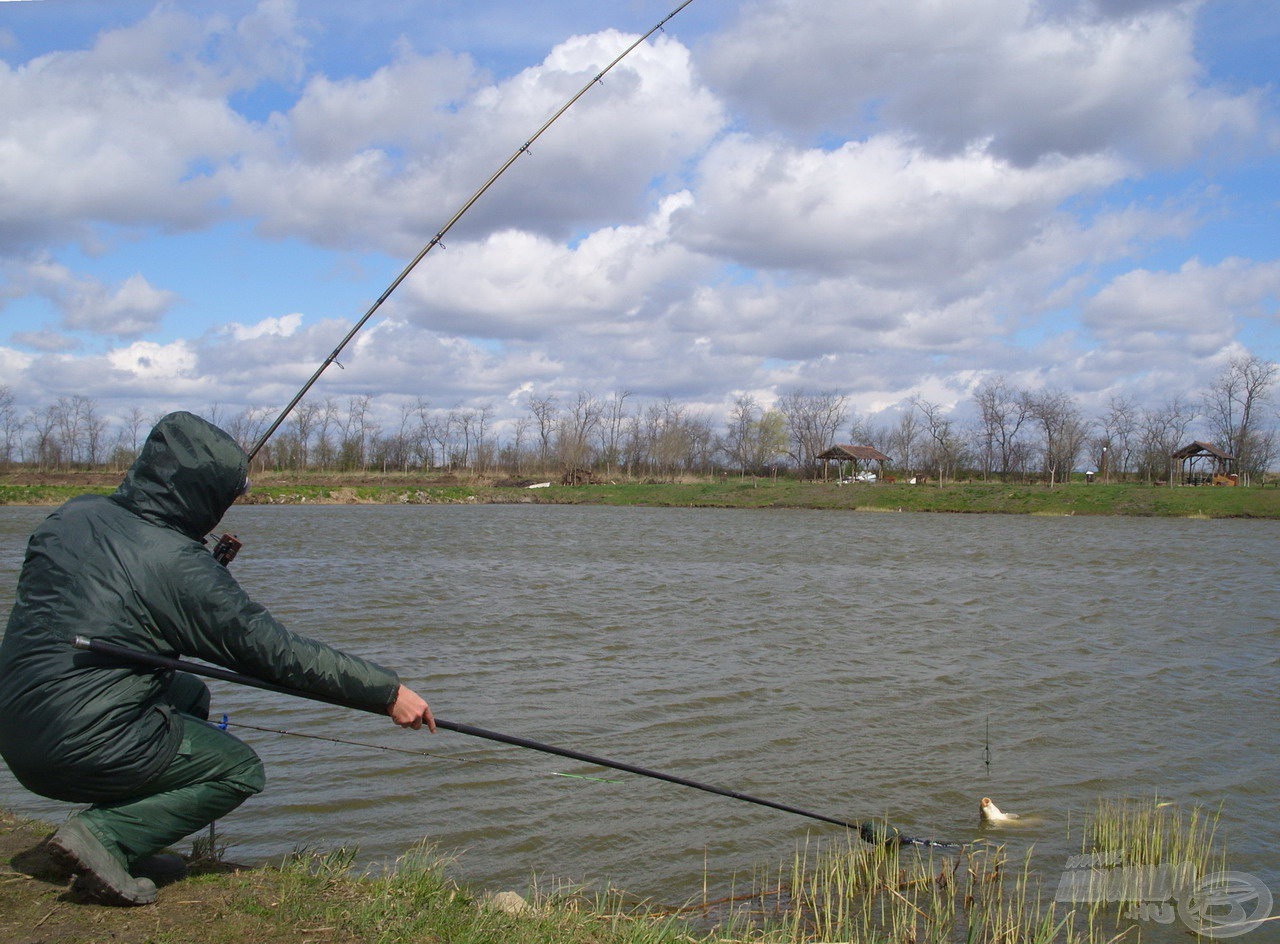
point(849, 664)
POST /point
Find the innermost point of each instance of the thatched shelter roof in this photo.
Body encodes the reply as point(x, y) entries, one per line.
point(855, 453)
point(1198, 448)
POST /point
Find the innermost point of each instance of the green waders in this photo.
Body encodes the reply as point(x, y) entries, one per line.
point(212, 773)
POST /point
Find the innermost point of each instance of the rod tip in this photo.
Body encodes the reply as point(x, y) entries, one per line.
point(879, 834)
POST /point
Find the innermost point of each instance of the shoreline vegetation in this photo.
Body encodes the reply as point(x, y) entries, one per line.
point(839, 890)
point(724, 491)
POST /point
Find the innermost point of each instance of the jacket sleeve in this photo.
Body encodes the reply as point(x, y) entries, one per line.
point(212, 618)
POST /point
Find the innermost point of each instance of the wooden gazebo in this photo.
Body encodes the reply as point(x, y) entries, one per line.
point(853, 454)
point(1202, 463)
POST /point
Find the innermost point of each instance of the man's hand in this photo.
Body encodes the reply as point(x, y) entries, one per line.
point(409, 710)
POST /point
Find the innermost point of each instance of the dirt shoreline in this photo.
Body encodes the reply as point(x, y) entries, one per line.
point(38, 903)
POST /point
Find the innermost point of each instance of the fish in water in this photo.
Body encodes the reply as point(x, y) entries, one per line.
point(991, 813)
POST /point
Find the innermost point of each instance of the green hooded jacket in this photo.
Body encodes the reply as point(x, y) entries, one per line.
point(131, 568)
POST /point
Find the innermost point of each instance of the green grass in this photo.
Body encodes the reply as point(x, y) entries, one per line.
point(838, 890)
point(733, 492)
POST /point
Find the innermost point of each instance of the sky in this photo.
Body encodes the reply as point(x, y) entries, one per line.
point(878, 199)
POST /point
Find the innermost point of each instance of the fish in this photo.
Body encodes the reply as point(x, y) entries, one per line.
point(991, 813)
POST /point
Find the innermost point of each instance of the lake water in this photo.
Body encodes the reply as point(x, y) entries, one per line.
point(844, 663)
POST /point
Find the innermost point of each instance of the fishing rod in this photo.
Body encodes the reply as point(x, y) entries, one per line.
point(437, 239)
point(870, 831)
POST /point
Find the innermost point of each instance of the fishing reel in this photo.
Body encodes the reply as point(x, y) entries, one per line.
point(225, 551)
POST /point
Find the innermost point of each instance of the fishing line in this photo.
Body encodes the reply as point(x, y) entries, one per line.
point(986, 750)
point(438, 238)
point(338, 740)
point(226, 722)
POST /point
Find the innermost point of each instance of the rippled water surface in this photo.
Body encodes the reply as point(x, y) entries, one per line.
point(843, 663)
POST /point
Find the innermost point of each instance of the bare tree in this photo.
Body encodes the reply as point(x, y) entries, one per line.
point(514, 455)
point(945, 446)
point(246, 427)
point(484, 450)
point(1114, 447)
point(327, 426)
point(43, 447)
point(544, 411)
point(904, 442)
point(1161, 431)
point(303, 423)
point(740, 434)
point(10, 426)
point(1063, 431)
point(1232, 409)
point(357, 431)
point(69, 426)
point(574, 431)
point(669, 441)
point(129, 440)
point(613, 424)
point(813, 419)
point(702, 443)
point(1002, 414)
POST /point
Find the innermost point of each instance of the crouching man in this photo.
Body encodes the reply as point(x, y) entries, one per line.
point(132, 568)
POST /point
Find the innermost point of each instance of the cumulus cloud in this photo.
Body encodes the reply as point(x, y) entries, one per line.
point(127, 310)
point(1028, 82)
point(132, 309)
point(882, 209)
point(431, 130)
point(519, 285)
point(126, 132)
point(1198, 308)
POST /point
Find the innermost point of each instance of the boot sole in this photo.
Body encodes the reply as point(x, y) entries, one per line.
point(76, 850)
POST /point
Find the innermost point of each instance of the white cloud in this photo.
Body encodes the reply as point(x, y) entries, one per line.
point(1195, 310)
point(121, 133)
point(132, 309)
point(127, 310)
point(1030, 82)
point(149, 361)
point(882, 209)
point(409, 103)
point(284, 326)
point(517, 284)
point(429, 133)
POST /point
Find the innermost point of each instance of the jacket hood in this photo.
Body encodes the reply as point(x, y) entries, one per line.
point(186, 477)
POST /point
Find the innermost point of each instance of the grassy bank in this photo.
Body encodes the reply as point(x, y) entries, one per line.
point(843, 891)
point(727, 492)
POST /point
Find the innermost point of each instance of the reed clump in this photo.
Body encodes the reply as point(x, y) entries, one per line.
point(903, 895)
point(1138, 861)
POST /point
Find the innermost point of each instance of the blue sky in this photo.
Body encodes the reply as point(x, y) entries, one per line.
point(197, 200)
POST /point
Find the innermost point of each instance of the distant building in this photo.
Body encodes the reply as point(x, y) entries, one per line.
point(1201, 463)
point(854, 455)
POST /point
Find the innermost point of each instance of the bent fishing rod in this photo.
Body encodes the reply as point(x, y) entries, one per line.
point(438, 238)
point(870, 831)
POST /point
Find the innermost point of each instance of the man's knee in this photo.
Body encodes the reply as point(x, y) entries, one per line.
point(189, 694)
point(250, 776)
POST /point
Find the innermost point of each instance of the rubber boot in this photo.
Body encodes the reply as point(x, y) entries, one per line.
point(98, 872)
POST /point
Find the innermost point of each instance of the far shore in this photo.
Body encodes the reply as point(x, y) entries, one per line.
point(1077, 497)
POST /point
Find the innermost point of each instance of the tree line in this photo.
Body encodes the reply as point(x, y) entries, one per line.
point(1012, 433)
